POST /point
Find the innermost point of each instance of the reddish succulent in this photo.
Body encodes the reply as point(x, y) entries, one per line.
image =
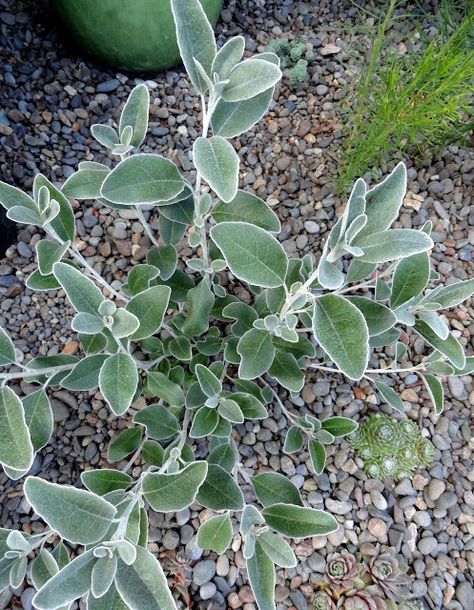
point(323, 601)
point(363, 600)
point(387, 574)
point(341, 570)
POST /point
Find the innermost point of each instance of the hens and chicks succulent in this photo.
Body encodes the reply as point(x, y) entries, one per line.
point(379, 583)
point(390, 447)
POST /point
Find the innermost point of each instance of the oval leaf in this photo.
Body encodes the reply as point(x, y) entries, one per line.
point(252, 254)
point(118, 381)
point(16, 449)
point(77, 515)
point(341, 330)
point(143, 179)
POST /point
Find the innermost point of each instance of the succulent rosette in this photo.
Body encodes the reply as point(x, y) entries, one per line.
point(363, 600)
point(342, 570)
point(382, 435)
point(391, 448)
point(387, 574)
point(426, 451)
point(323, 601)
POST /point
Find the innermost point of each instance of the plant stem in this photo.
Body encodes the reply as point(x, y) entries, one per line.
point(368, 283)
point(281, 405)
point(184, 430)
point(385, 371)
point(206, 120)
point(129, 464)
point(146, 226)
point(31, 372)
point(98, 278)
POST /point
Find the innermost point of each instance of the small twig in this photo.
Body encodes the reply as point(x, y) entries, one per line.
point(146, 226)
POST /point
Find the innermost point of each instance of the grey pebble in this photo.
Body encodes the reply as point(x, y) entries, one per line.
point(204, 571)
point(426, 546)
point(207, 590)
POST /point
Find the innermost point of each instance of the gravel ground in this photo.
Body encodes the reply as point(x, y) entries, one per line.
point(50, 97)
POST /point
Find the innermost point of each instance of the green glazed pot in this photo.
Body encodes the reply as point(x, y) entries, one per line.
point(135, 35)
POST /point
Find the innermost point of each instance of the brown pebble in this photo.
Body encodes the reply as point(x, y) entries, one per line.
point(377, 528)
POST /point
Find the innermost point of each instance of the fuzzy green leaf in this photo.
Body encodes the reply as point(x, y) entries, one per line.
point(105, 135)
point(218, 163)
point(231, 119)
point(318, 455)
point(105, 480)
point(135, 114)
point(71, 583)
point(80, 290)
point(85, 375)
point(140, 276)
point(200, 301)
point(11, 197)
point(249, 78)
point(143, 584)
point(250, 406)
point(209, 383)
point(63, 225)
point(230, 410)
point(286, 371)
point(7, 349)
point(450, 347)
point(16, 449)
point(220, 491)
point(452, 295)
point(383, 202)
point(118, 381)
point(204, 422)
point(257, 353)
point(77, 515)
point(86, 183)
point(272, 487)
point(124, 443)
point(436, 392)
point(378, 317)
point(293, 440)
point(228, 56)
point(39, 418)
point(165, 258)
point(339, 426)
point(49, 252)
point(164, 388)
point(392, 244)
point(298, 521)
point(174, 492)
point(252, 254)
point(149, 307)
point(160, 423)
point(215, 534)
point(261, 573)
point(195, 40)
point(410, 278)
point(246, 207)
point(143, 179)
point(341, 330)
point(279, 551)
point(223, 455)
point(110, 601)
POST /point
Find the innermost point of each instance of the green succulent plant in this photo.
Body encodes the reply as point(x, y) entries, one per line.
point(295, 55)
point(391, 448)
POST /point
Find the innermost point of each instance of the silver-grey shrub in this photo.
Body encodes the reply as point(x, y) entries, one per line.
point(203, 360)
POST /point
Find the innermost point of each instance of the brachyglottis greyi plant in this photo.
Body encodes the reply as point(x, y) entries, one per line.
point(391, 448)
point(186, 362)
